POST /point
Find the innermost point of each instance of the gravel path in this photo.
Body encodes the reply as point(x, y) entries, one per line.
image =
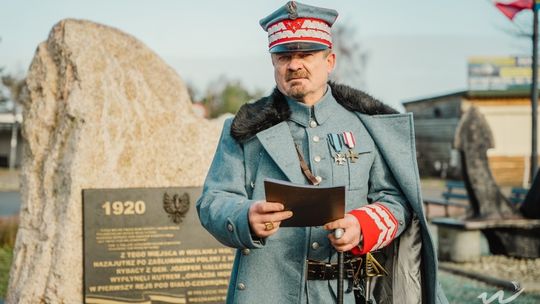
point(524, 271)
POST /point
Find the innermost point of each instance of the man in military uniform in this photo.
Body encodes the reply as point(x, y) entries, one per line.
point(310, 131)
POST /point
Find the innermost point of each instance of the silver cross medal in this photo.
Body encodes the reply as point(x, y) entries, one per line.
point(336, 142)
point(340, 159)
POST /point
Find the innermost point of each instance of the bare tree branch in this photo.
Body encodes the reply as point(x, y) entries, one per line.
point(351, 57)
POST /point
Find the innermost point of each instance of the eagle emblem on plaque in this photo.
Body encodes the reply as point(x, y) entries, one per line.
point(176, 206)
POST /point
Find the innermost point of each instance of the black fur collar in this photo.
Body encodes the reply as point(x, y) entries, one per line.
point(271, 110)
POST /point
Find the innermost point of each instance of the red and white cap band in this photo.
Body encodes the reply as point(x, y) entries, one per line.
point(299, 30)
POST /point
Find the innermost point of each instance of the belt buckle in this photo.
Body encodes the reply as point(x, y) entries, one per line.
point(328, 272)
point(317, 270)
point(310, 269)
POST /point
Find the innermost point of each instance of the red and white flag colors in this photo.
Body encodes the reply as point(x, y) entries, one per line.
point(510, 9)
point(378, 225)
point(299, 30)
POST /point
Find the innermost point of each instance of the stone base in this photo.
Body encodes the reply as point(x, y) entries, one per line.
point(433, 229)
point(458, 245)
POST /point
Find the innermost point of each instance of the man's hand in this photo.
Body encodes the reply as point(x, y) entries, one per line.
point(352, 236)
point(265, 217)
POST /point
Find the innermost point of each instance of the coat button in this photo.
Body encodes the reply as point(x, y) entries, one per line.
point(315, 246)
point(312, 123)
point(318, 178)
point(317, 158)
point(316, 138)
point(230, 227)
point(241, 286)
point(246, 251)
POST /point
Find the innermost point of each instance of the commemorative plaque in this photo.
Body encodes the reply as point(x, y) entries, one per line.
point(147, 246)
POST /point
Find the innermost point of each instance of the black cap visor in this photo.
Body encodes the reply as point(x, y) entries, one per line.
point(298, 47)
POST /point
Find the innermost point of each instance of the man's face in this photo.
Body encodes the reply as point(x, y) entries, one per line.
point(303, 75)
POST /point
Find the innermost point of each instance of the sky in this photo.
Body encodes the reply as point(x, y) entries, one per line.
point(415, 48)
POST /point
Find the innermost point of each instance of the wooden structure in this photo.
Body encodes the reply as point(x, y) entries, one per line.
point(10, 139)
point(507, 114)
point(455, 195)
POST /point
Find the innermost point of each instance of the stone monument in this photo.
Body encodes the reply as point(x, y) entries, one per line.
point(102, 111)
point(506, 229)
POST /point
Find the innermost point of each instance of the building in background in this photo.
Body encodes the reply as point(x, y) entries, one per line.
point(10, 135)
point(499, 87)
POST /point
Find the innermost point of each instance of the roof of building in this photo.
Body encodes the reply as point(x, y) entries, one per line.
point(474, 94)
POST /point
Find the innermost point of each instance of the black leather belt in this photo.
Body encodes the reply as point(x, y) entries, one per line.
point(326, 271)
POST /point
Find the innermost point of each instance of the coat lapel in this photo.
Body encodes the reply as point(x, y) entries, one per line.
point(279, 144)
point(386, 131)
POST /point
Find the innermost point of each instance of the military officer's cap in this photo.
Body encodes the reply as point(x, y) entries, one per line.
point(299, 27)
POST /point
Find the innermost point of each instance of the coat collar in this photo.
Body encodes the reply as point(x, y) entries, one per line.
point(269, 111)
point(320, 112)
point(278, 143)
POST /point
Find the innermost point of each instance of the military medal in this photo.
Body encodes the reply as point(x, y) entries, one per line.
point(350, 141)
point(337, 143)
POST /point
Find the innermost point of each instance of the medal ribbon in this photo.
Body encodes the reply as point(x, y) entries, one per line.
point(336, 141)
point(350, 141)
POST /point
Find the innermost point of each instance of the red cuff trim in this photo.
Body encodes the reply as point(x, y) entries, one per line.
point(378, 226)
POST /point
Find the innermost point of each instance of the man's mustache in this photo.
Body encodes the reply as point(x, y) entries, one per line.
point(296, 74)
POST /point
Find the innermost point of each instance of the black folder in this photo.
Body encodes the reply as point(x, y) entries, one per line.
point(311, 205)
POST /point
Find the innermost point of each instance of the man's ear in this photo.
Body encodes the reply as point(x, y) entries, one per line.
point(272, 58)
point(331, 61)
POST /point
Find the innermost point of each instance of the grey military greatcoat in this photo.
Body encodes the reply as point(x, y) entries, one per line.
point(259, 143)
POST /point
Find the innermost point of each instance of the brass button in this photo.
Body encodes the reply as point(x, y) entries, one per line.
point(230, 227)
point(318, 178)
point(241, 286)
point(316, 138)
point(246, 251)
point(317, 158)
point(315, 246)
point(313, 123)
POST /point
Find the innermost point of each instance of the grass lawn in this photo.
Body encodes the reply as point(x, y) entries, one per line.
point(6, 254)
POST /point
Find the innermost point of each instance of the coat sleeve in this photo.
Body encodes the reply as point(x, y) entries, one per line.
point(223, 206)
point(388, 214)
